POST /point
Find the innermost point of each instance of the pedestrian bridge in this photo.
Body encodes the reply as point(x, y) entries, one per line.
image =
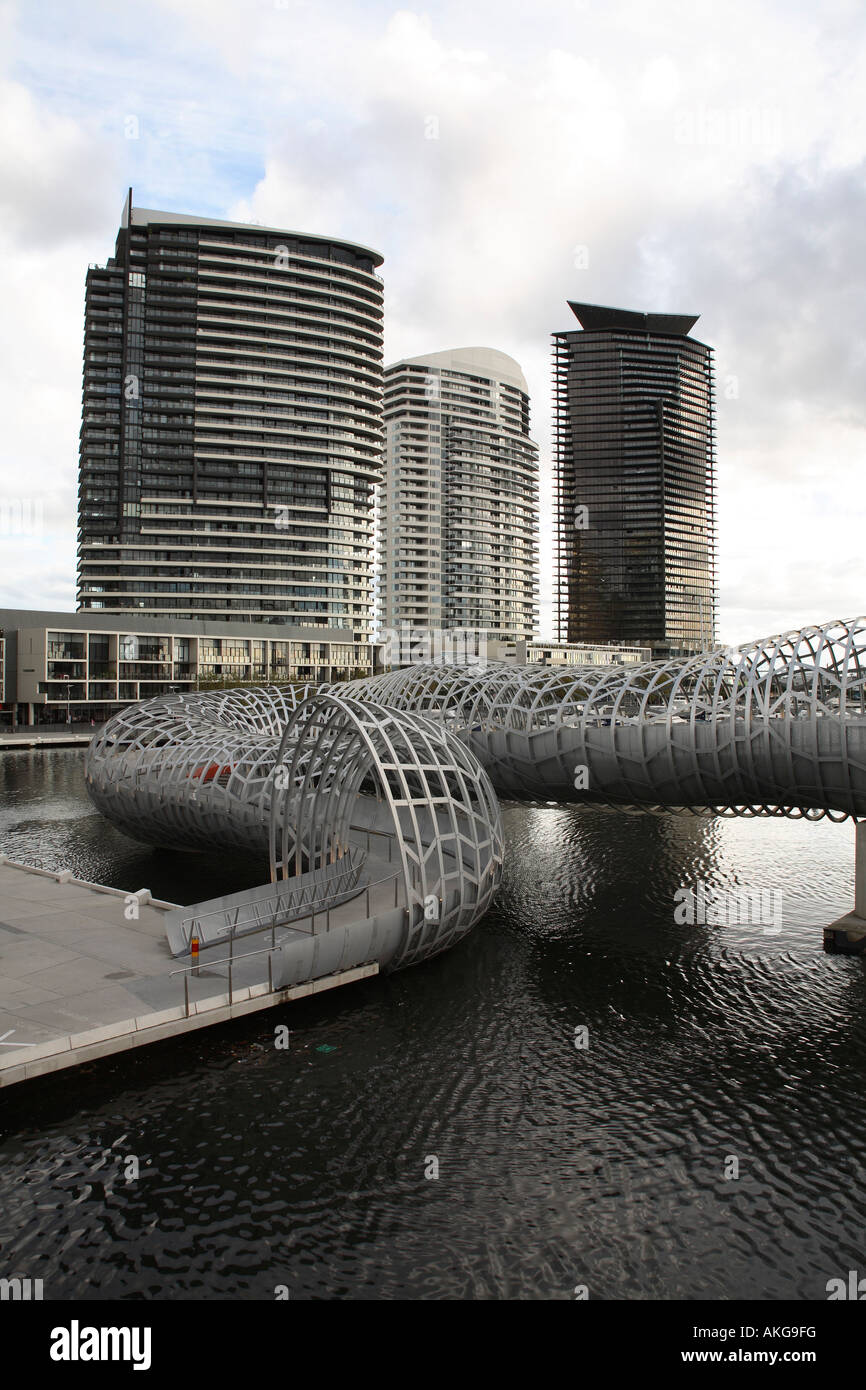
point(774, 728)
point(390, 783)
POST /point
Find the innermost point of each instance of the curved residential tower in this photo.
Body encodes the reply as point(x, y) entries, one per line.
point(458, 513)
point(232, 433)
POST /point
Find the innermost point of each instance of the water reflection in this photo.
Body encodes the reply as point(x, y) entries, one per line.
point(602, 1165)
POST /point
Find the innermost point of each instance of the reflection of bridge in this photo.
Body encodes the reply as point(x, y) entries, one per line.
point(411, 759)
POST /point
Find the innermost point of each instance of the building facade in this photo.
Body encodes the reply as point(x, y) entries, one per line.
point(634, 440)
point(458, 508)
point(73, 667)
point(231, 432)
point(541, 653)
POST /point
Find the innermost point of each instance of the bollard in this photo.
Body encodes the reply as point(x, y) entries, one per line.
point(194, 952)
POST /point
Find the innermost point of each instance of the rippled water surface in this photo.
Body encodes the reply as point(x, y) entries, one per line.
point(558, 1166)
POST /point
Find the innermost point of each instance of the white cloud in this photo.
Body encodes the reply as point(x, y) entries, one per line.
point(700, 160)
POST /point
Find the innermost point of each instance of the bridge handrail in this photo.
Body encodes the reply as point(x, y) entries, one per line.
point(285, 903)
point(187, 970)
point(270, 926)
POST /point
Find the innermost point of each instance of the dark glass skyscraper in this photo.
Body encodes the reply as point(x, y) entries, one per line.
point(232, 425)
point(634, 440)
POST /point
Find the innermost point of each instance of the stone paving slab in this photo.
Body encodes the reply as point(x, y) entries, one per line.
point(102, 908)
point(22, 958)
point(20, 909)
point(124, 950)
point(72, 977)
point(65, 927)
point(81, 1009)
point(15, 992)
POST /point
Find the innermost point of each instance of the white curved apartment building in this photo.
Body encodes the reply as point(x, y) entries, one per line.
point(458, 509)
point(232, 425)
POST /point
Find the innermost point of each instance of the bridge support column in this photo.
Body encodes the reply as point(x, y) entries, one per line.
point(860, 871)
point(848, 934)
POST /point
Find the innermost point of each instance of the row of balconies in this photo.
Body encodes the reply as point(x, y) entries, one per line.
point(341, 390)
point(210, 338)
point(253, 289)
point(301, 369)
point(353, 282)
point(98, 568)
point(240, 255)
point(218, 311)
point(214, 430)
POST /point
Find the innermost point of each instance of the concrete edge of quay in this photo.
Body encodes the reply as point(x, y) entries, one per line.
point(67, 876)
point(150, 1028)
point(9, 742)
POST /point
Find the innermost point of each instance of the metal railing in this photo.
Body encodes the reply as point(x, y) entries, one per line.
point(230, 959)
point(381, 834)
point(276, 910)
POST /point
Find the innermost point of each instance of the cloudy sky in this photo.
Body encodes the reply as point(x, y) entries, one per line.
point(504, 157)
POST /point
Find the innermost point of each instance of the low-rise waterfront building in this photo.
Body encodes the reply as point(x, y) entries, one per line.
point(73, 667)
point(543, 653)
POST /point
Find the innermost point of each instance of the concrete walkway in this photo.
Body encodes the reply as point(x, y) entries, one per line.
point(79, 979)
point(48, 736)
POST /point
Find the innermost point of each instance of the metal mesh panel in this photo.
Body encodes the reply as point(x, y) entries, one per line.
point(314, 777)
point(777, 727)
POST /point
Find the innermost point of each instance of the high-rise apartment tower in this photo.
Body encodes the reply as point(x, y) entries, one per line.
point(232, 434)
point(458, 515)
point(634, 438)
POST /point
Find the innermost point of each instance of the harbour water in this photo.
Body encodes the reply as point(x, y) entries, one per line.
point(706, 1142)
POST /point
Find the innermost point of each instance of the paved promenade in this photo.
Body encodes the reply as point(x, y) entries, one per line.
point(48, 736)
point(85, 971)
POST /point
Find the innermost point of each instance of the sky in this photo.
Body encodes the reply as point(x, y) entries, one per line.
point(503, 157)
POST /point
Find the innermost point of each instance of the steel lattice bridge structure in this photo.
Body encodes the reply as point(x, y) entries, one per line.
point(383, 791)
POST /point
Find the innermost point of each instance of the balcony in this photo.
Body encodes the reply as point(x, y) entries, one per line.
point(65, 670)
point(147, 671)
point(58, 651)
point(62, 692)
